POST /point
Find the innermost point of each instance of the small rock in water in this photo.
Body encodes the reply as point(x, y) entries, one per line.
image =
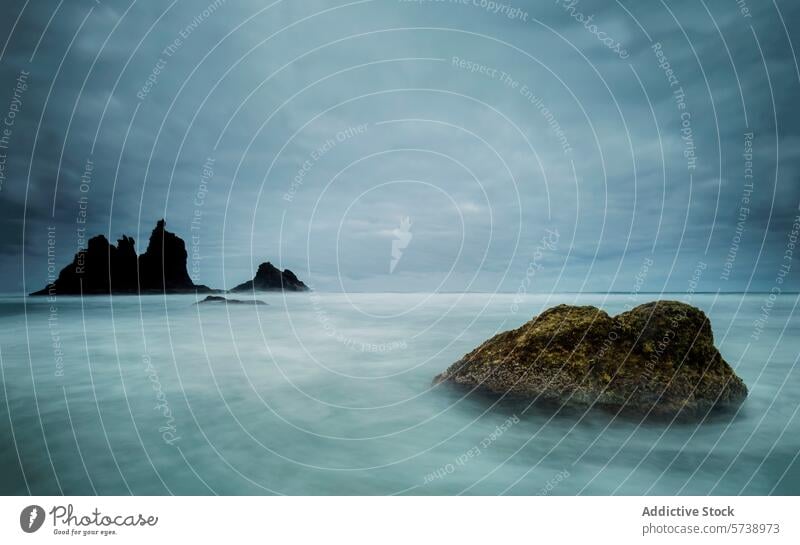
point(657, 359)
point(220, 299)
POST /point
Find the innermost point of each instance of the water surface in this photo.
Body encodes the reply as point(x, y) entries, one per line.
point(331, 394)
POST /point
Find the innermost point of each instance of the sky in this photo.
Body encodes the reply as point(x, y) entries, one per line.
point(387, 145)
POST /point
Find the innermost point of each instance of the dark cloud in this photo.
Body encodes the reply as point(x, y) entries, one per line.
point(272, 95)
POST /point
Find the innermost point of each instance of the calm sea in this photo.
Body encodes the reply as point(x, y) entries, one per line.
point(331, 394)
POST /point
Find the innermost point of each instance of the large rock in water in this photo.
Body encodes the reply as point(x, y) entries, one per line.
point(162, 268)
point(657, 359)
point(102, 268)
point(96, 268)
point(270, 278)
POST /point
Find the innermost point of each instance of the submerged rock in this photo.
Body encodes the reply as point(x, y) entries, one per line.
point(219, 299)
point(102, 268)
point(657, 359)
point(270, 278)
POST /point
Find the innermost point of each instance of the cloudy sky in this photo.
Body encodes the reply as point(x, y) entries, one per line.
point(383, 145)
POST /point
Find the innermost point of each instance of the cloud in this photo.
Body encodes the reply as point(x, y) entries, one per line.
point(546, 127)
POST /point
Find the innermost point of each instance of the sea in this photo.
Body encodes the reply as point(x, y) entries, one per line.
point(331, 394)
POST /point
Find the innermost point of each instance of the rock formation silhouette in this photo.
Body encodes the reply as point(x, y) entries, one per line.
point(270, 278)
point(102, 268)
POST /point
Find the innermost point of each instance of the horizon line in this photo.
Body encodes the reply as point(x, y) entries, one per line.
point(222, 290)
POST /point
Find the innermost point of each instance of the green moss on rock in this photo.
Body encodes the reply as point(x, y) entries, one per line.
point(657, 359)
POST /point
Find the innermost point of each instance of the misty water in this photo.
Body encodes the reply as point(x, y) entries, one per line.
point(331, 394)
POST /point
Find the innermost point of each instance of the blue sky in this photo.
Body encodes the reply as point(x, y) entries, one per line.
point(492, 144)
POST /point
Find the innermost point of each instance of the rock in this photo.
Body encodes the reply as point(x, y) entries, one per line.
point(102, 268)
point(162, 268)
point(96, 269)
point(271, 278)
point(657, 359)
point(219, 299)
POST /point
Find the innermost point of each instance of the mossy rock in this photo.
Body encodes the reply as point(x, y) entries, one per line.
point(657, 359)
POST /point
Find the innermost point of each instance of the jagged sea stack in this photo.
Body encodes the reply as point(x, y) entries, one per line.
point(163, 266)
point(102, 268)
point(657, 359)
point(270, 278)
